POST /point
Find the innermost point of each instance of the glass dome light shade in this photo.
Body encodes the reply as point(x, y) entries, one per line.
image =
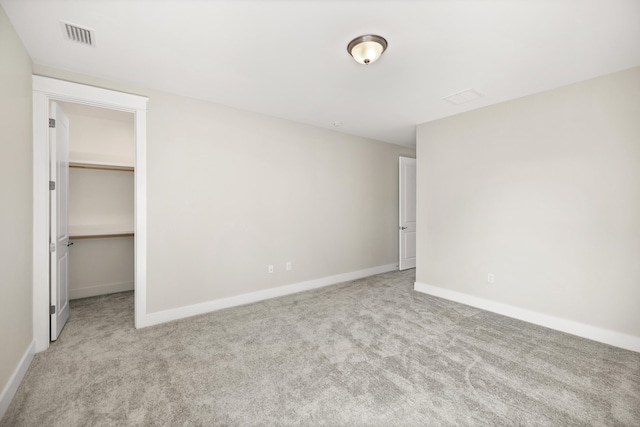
point(367, 49)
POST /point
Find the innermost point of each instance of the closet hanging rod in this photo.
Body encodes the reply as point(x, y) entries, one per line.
point(100, 236)
point(103, 168)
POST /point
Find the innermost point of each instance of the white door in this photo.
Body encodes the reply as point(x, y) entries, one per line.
point(407, 214)
point(59, 218)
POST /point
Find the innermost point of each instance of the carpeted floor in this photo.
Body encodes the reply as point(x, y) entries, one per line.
point(367, 352)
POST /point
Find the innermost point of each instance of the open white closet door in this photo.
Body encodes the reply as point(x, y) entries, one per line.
point(407, 214)
point(59, 218)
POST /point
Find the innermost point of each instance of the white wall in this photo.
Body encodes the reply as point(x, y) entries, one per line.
point(230, 192)
point(98, 135)
point(16, 330)
point(100, 197)
point(101, 266)
point(543, 192)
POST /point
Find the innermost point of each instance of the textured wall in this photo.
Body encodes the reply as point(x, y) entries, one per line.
point(543, 192)
point(16, 332)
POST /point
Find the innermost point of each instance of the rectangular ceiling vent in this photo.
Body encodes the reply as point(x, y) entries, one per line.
point(79, 34)
point(464, 96)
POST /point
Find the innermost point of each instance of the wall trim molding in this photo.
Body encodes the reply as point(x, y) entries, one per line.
point(251, 297)
point(16, 378)
point(594, 333)
point(103, 289)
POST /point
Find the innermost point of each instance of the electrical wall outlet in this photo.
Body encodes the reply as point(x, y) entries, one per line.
point(288, 266)
point(490, 278)
point(270, 268)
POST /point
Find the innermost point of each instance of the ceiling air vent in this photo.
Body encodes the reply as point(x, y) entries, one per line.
point(464, 96)
point(78, 34)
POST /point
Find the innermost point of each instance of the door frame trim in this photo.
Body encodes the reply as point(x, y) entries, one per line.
point(47, 89)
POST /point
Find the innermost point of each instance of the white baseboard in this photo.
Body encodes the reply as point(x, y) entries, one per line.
point(617, 339)
point(107, 288)
point(219, 304)
point(16, 378)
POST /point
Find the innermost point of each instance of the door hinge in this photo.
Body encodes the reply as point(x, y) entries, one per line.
point(52, 309)
point(52, 247)
point(52, 185)
point(52, 123)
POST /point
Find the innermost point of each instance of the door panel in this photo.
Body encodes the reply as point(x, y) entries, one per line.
point(59, 219)
point(410, 245)
point(407, 213)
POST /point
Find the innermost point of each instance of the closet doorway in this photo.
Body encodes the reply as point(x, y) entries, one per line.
point(92, 220)
point(100, 201)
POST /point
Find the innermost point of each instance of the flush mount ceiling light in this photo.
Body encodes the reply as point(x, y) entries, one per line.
point(367, 49)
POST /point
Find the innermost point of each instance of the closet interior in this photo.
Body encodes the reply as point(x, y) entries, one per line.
point(101, 200)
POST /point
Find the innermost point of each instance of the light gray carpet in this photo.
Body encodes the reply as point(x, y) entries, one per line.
point(367, 352)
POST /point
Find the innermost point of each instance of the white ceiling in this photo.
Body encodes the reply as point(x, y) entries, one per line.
point(288, 59)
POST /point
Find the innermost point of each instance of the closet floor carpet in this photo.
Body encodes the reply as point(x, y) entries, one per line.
point(366, 352)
